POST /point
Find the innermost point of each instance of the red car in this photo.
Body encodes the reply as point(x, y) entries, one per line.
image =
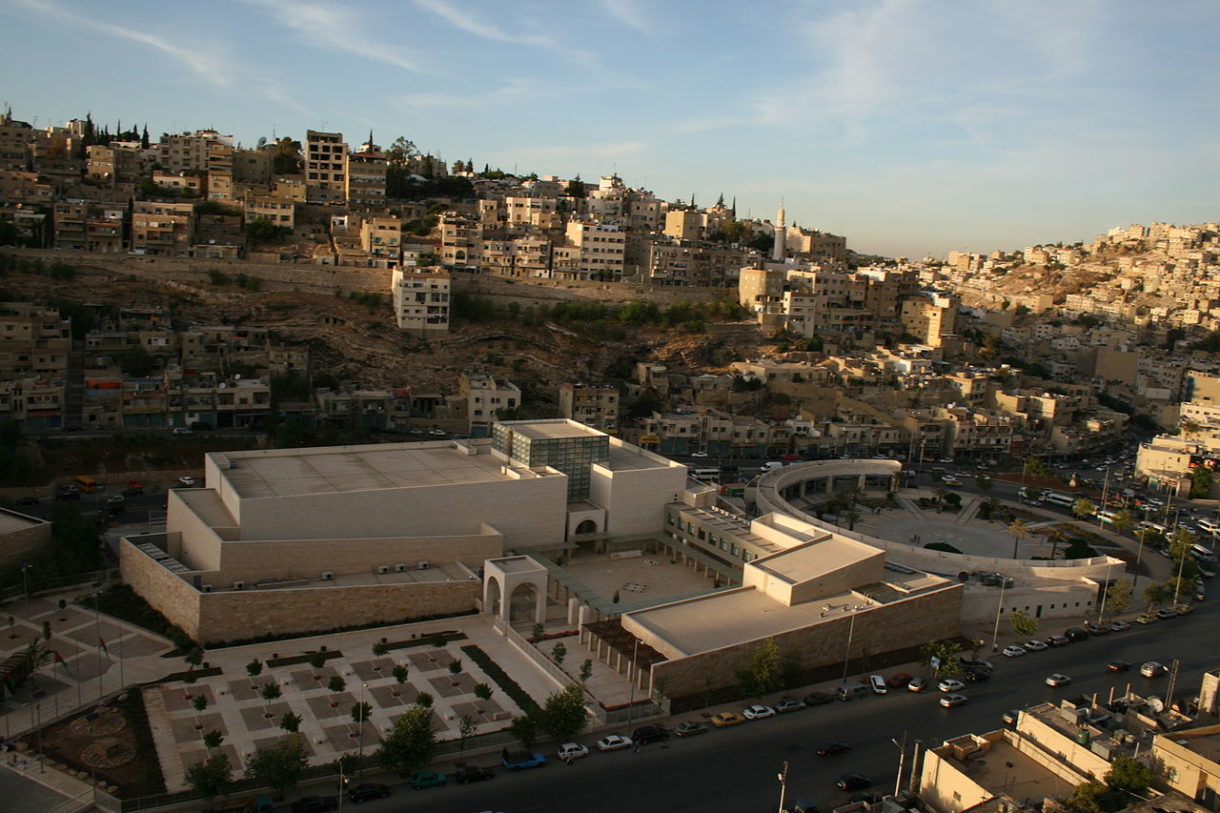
point(898, 680)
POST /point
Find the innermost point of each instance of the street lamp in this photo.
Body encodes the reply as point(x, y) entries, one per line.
point(782, 776)
point(995, 633)
point(851, 628)
point(902, 755)
point(360, 724)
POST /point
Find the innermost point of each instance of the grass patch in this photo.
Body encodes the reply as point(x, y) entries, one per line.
point(501, 679)
point(440, 639)
point(293, 660)
point(942, 546)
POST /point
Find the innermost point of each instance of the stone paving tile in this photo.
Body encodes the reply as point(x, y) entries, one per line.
point(175, 699)
point(431, 661)
point(66, 649)
point(481, 711)
point(253, 717)
point(193, 756)
point(321, 707)
point(383, 696)
point(140, 645)
point(90, 665)
point(374, 669)
point(445, 688)
point(88, 634)
point(268, 742)
point(242, 689)
point(343, 737)
point(304, 678)
point(185, 731)
point(21, 635)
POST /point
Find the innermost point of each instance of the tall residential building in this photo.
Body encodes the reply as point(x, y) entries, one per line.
point(485, 397)
point(381, 238)
point(325, 167)
point(366, 172)
point(593, 405)
point(600, 249)
point(197, 151)
point(929, 316)
point(461, 239)
point(421, 299)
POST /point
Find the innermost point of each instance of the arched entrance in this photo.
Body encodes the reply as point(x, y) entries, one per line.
point(588, 526)
point(523, 603)
point(491, 599)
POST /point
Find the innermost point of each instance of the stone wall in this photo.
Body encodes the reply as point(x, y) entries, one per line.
point(21, 543)
point(166, 592)
point(929, 617)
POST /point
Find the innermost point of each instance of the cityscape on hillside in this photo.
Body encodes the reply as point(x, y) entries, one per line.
point(331, 471)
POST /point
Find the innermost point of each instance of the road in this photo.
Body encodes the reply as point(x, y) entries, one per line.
point(735, 769)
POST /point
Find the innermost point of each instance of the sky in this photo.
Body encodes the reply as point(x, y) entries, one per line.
point(912, 127)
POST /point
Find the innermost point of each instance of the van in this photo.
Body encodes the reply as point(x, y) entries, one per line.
point(878, 684)
point(771, 465)
point(1209, 525)
point(87, 484)
point(850, 691)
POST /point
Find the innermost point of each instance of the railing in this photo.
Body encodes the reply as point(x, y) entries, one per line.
point(61, 583)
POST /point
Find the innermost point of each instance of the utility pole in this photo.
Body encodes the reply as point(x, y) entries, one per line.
point(782, 776)
point(902, 755)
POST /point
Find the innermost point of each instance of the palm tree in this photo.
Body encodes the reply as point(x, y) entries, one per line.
point(1019, 531)
point(1056, 535)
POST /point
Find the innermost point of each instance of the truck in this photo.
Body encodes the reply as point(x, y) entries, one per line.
point(520, 760)
point(249, 804)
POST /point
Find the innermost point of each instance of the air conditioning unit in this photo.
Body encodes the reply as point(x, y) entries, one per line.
point(383, 568)
point(424, 565)
point(239, 585)
point(400, 567)
point(328, 575)
point(205, 588)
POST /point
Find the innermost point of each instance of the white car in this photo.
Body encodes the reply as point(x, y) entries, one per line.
point(1035, 645)
point(698, 454)
point(917, 684)
point(186, 481)
point(1058, 680)
point(950, 480)
point(1013, 651)
point(572, 750)
point(614, 742)
point(951, 685)
point(952, 700)
point(1153, 669)
point(758, 712)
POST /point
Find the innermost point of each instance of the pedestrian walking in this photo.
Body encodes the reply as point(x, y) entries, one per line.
point(637, 748)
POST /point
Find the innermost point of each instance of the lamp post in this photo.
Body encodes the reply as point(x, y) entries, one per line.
point(902, 755)
point(782, 776)
point(995, 632)
point(360, 724)
point(1142, 535)
point(851, 628)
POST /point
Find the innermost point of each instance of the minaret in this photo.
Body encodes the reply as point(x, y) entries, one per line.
point(777, 253)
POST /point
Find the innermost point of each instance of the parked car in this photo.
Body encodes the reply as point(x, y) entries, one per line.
point(1152, 669)
point(1146, 618)
point(975, 676)
point(1057, 640)
point(1119, 626)
point(819, 699)
point(787, 704)
point(647, 734)
point(1076, 634)
point(472, 773)
point(67, 493)
point(757, 712)
point(315, 804)
point(1183, 609)
point(829, 749)
point(726, 718)
point(950, 685)
point(427, 779)
point(186, 481)
point(970, 663)
point(853, 781)
point(1013, 651)
point(1096, 629)
point(877, 683)
point(690, 728)
point(572, 750)
point(614, 742)
point(1010, 717)
point(182, 430)
point(1166, 612)
point(366, 791)
point(899, 680)
point(954, 700)
point(1058, 680)
point(918, 684)
point(1118, 666)
point(1034, 645)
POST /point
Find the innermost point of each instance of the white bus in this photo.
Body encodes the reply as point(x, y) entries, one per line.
point(706, 475)
point(1202, 553)
point(1059, 498)
point(1107, 516)
point(1149, 525)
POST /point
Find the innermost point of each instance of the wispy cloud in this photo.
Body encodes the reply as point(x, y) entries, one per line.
point(477, 26)
point(629, 13)
point(562, 153)
point(337, 28)
point(511, 91)
point(206, 61)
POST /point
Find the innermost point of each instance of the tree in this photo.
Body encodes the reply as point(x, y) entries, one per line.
point(586, 670)
point(525, 729)
point(943, 652)
point(1023, 623)
point(336, 684)
point(1019, 531)
point(575, 188)
point(559, 652)
point(290, 722)
point(410, 744)
point(287, 159)
point(1124, 521)
point(360, 712)
point(1118, 596)
point(1129, 775)
point(564, 715)
point(1084, 508)
point(1057, 535)
point(200, 702)
point(765, 672)
point(194, 656)
point(212, 739)
point(254, 668)
point(455, 666)
point(423, 700)
point(211, 778)
point(280, 766)
point(317, 660)
point(399, 673)
point(380, 649)
point(984, 483)
point(137, 362)
point(1201, 481)
point(271, 691)
point(262, 230)
point(482, 691)
point(400, 152)
point(1158, 593)
point(466, 727)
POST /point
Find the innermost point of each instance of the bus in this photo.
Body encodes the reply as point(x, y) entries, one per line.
point(1059, 498)
point(87, 484)
point(1149, 525)
point(706, 475)
point(1107, 516)
point(1202, 553)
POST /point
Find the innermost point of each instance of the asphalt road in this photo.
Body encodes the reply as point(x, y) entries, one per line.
point(734, 770)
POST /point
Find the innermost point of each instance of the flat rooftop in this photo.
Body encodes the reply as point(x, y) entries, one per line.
point(732, 616)
point(816, 559)
point(1004, 769)
point(632, 459)
point(274, 473)
point(13, 521)
point(550, 429)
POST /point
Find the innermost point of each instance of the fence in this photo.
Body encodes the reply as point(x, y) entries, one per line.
point(38, 585)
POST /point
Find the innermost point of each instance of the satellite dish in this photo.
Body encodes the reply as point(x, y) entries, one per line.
point(1156, 704)
point(262, 142)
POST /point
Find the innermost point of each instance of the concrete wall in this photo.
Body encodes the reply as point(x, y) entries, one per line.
point(1055, 601)
point(529, 512)
point(177, 600)
point(635, 500)
point(19, 544)
point(308, 558)
point(196, 545)
point(1059, 747)
point(944, 787)
point(893, 626)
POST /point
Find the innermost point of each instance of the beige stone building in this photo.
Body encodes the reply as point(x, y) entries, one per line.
point(929, 316)
point(593, 405)
point(291, 541)
point(421, 299)
point(325, 167)
point(162, 228)
point(486, 396)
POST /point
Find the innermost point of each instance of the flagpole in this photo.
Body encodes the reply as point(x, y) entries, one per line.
point(97, 625)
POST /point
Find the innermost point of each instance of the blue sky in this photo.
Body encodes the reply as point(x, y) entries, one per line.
point(910, 126)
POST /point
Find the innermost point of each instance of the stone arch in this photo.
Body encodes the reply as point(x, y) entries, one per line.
point(587, 526)
point(523, 603)
point(514, 589)
point(492, 597)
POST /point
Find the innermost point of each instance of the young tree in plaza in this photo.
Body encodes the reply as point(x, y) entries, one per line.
point(410, 744)
point(210, 778)
point(280, 766)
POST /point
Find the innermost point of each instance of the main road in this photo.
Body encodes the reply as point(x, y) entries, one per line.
point(734, 770)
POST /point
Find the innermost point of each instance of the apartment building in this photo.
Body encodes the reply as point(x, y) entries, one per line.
point(325, 167)
point(89, 226)
point(366, 174)
point(381, 239)
point(34, 341)
point(598, 250)
point(196, 152)
point(486, 399)
point(685, 224)
point(593, 405)
point(928, 316)
point(162, 228)
point(272, 208)
point(461, 238)
point(421, 299)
